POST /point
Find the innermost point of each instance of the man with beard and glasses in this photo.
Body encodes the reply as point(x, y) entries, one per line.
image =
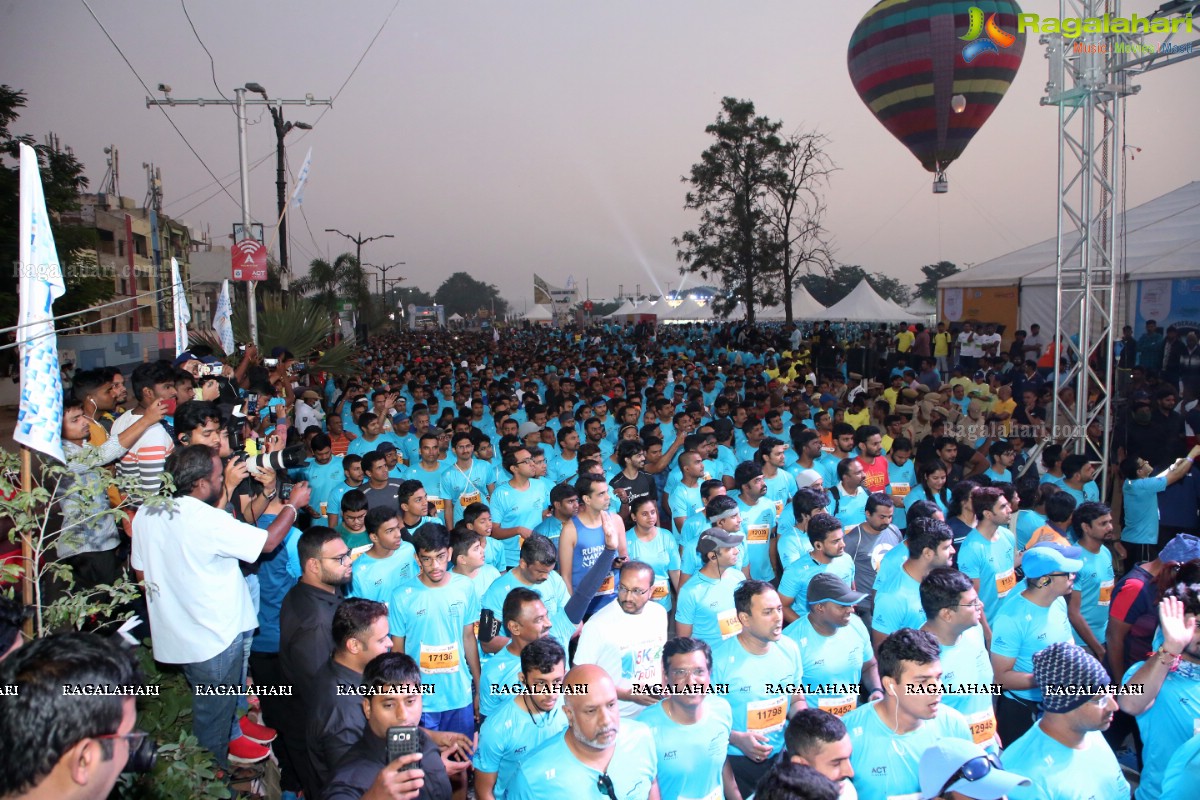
point(523, 722)
point(1064, 754)
point(599, 755)
point(186, 555)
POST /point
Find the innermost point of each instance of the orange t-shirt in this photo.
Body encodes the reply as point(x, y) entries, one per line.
point(1047, 534)
point(876, 479)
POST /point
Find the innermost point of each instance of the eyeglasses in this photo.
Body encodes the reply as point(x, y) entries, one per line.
point(134, 737)
point(524, 461)
point(1060, 574)
point(604, 784)
point(344, 558)
point(973, 770)
point(634, 592)
point(679, 674)
point(1100, 700)
point(974, 604)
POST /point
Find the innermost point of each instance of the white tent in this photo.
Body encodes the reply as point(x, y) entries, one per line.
point(687, 311)
point(539, 313)
point(1158, 240)
point(627, 309)
point(863, 304)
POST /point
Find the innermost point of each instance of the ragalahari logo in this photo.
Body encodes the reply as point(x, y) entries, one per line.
point(996, 40)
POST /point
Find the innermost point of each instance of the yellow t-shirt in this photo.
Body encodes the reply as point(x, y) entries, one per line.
point(892, 396)
point(904, 340)
point(941, 344)
point(858, 420)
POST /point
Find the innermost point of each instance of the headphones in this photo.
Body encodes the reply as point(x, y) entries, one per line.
point(185, 438)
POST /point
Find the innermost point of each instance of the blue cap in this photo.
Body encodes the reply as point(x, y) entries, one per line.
point(1182, 547)
point(943, 760)
point(1047, 557)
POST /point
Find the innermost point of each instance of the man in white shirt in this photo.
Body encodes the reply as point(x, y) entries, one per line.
point(626, 638)
point(186, 555)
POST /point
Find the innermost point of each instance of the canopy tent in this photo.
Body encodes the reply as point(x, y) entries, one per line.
point(539, 313)
point(632, 312)
point(688, 311)
point(864, 304)
point(625, 310)
point(921, 307)
point(456, 318)
point(1157, 241)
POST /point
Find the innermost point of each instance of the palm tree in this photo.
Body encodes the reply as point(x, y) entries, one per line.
point(328, 285)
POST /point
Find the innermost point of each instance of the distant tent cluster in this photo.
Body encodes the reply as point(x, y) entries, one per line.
point(863, 304)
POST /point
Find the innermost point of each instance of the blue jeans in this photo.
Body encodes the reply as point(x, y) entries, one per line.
point(212, 714)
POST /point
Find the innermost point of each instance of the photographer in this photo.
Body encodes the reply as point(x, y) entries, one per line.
point(187, 555)
point(57, 744)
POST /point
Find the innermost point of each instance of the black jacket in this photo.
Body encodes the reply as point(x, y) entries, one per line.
point(335, 721)
point(362, 764)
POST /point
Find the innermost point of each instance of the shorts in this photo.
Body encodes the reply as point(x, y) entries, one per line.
point(456, 720)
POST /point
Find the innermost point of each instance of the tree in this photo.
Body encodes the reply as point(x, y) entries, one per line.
point(734, 243)
point(62, 182)
point(329, 284)
point(933, 274)
point(797, 210)
point(841, 280)
point(461, 294)
point(890, 289)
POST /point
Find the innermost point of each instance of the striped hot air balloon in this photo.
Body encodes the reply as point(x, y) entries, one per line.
point(914, 62)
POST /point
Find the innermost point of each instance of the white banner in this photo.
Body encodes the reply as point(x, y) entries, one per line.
point(183, 314)
point(223, 319)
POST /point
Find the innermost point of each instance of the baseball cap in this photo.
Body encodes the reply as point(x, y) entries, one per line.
point(960, 766)
point(385, 447)
point(527, 427)
point(807, 477)
point(311, 394)
point(715, 538)
point(184, 357)
point(825, 587)
point(1046, 557)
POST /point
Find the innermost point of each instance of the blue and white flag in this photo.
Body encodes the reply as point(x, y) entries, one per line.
point(183, 314)
point(40, 416)
point(223, 319)
point(301, 179)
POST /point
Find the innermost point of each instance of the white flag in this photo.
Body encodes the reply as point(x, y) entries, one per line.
point(183, 314)
point(223, 319)
point(39, 419)
point(301, 179)
point(495, 333)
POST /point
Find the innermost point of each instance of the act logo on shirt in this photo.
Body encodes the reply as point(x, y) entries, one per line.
point(550, 774)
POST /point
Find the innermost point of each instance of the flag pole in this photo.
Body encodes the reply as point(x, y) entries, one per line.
point(29, 567)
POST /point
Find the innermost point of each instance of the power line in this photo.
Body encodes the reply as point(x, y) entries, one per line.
point(148, 92)
point(212, 64)
point(223, 188)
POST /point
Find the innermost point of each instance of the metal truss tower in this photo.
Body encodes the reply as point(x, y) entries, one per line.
point(1089, 83)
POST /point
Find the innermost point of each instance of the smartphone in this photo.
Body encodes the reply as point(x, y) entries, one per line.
point(270, 362)
point(401, 741)
point(252, 406)
point(208, 370)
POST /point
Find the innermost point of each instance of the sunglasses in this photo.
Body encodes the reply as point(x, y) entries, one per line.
point(604, 784)
point(972, 770)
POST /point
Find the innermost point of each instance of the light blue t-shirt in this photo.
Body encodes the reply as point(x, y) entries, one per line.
point(758, 525)
point(885, 764)
point(379, 578)
point(906, 475)
point(1094, 582)
point(551, 527)
point(898, 605)
point(553, 771)
point(757, 705)
point(432, 481)
point(460, 488)
point(967, 664)
point(851, 509)
point(1171, 721)
point(508, 735)
point(1090, 493)
point(662, 553)
point(691, 757)
point(553, 592)
point(1141, 510)
point(485, 576)
point(796, 577)
point(1029, 521)
point(685, 501)
point(992, 563)
point(516, 509)
point(1182, 768)
point(890, 566)
point(1022, 628)
point(707, 605)
point(832, 661)
point(1093, 771)
point(501, 669)
point(432, 622)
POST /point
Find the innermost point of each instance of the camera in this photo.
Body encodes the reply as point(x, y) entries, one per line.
point(142, 759)
point(270, 362)
point(210, 370)
point(291, 458)
point(285, 491)
point(489, 626)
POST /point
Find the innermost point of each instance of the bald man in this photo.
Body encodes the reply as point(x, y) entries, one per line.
point(598, 748)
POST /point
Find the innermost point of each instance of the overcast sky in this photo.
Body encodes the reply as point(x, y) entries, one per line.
point(507, 138)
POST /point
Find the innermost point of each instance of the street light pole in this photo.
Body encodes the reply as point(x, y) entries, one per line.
point(359, 241)
point(239, 104)
point(282, 129)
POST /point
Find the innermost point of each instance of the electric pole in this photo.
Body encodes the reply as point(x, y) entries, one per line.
point(239, 104)
point(359, 241)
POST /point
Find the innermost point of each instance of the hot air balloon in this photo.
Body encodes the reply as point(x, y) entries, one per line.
point(933, 71)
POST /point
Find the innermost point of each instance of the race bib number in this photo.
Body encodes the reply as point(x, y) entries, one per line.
point(439, 659)
point(729, 623)
point(1005, 581)
point(661, 589)
point(900, 489)
point(983, 727)
point(609, 585)
point(465, 500)
point(438, 503)
point(778, 508)
point(758, 534)
point(358, 551)
point(1106, 588)
point(838, 706)
point(767, 716)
